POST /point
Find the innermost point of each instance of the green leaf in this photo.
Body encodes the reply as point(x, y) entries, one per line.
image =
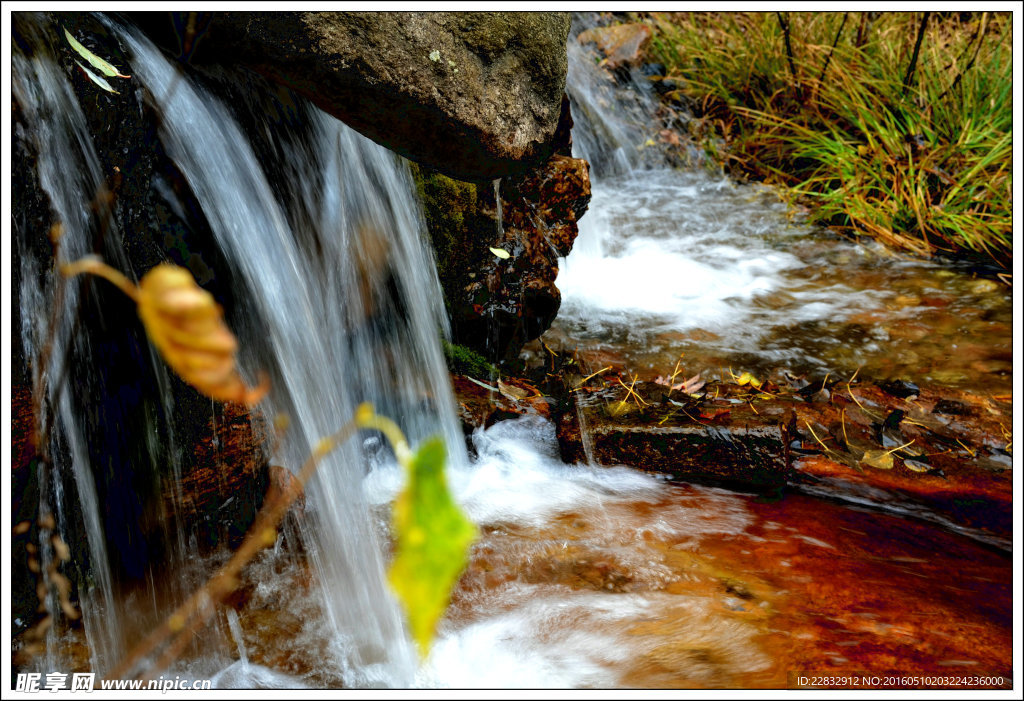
point(96, 79)
point(500, 252)
point(97, 62)
point(432, 542)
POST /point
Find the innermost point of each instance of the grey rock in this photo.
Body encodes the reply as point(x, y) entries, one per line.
point(476, 95)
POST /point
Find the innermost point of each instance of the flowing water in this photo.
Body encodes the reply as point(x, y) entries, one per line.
point(672, 262)
point(583, 576)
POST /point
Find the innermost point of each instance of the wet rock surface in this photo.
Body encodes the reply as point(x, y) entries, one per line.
point(514, 299)
point(622, 44)
point(718, 442)
point(849, 440)
point(483, 403)
point(142, 212)
point(498, 301)
point(476, 95)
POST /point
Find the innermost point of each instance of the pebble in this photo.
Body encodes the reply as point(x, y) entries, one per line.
point(981, 287)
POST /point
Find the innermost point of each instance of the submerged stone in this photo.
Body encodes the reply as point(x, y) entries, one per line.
point(728, 444)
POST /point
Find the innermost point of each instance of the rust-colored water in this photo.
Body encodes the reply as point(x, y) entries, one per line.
point(767, 592)
point(605, 577)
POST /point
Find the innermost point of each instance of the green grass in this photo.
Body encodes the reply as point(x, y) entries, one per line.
point(921, 160)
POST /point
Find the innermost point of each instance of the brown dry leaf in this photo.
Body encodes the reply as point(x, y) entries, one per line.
point(512, 392)
point(693, 385)
point(187, 327)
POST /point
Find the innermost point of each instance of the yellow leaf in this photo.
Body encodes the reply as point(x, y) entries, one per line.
point(879, 459)
point(101, 65)
point(432, 539)
point(500, 252)
point(748, 379)
point(186, 325)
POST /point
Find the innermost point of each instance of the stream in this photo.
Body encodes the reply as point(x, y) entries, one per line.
point(583, 576)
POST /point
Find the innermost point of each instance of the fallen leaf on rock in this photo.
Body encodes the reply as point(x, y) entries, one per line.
point(501, 253)
point(748, 379)
point(100, 65)
point(878, 459)
point(512, 392)
point(96, 79)
point(694, 384)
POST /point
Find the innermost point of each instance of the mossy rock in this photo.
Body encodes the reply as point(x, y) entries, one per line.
point(460, 228)
point(465, 361)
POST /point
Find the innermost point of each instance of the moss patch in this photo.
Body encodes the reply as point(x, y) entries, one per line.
point(463, 361)
point(458, 229)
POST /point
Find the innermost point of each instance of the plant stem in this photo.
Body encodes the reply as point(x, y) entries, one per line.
point(785, 24)
point(917, 51)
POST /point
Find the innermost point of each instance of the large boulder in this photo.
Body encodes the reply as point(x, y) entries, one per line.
point(475, 95)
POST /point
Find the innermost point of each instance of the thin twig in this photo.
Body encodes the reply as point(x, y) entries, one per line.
point(820, 442)
point(853, 396)
point(188, 618)
point(630, 392)
point(981, 38)
point(675, 373)
point(785, 24)
point(917, 50)
point(835, 41)
point(593, 374)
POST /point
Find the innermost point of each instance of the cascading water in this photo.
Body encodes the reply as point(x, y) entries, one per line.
point(342, 306)
point(69, 174)
point(670, 260)
point(349, 306)
point(583, 576)
point(684, 250)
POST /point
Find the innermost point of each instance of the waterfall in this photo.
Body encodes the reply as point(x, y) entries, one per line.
point(726, 273)
point(69, 174)
point(611, 122)
point(342, 305)
point(348, 309)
